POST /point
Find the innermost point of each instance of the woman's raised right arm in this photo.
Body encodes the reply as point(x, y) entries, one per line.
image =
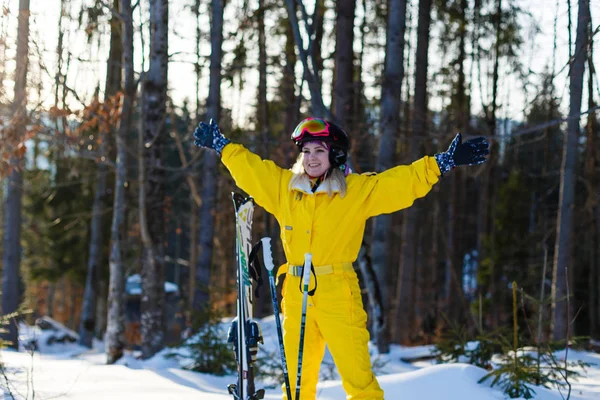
point(261, 179)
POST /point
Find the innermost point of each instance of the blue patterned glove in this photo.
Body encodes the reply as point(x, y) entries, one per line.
point(471, 152)
point(210, 136)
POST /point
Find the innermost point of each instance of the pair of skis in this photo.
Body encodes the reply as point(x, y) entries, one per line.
point(246, 337)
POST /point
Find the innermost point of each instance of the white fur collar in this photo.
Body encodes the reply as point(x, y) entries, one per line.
point(303, 185)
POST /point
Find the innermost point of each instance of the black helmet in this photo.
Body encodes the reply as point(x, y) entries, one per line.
point(317, 129)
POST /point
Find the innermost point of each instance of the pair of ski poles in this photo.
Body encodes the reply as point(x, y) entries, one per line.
point(268, 257)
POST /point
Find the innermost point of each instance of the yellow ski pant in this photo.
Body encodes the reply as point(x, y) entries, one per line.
point(335, 317)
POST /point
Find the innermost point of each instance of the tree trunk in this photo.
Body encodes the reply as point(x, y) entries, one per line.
point(263, 106)
point(50, 296)
point(115, 332)
point(344, 63)
point(3, 55)
point(288, 95)
point(405, 311)
point(210, 165)
point(432, 297)
point(485, 181)
point(310, 72)
point(564, 224)
point(58, 76)
point(152, 192)
point(87, 326)
point(461, 109)
point(262, 306)
point(318, 30)
point(11, 257)
point(197, 68)
point(592, 202)
point(390, 108)
point(194, 207)
point(101, 306)
point(596, 334)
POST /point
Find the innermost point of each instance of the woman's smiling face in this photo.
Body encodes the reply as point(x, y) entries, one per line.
point(316, 159)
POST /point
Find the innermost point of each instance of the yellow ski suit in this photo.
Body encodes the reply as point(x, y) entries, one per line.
point(331, 228)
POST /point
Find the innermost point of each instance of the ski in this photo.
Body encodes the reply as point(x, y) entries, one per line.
point(268, 258)
point(244, 336)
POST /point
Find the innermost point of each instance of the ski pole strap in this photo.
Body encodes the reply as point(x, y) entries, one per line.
point(255, 268)
point(312, 269)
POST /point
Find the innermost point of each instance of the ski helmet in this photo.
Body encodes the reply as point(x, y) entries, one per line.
point(317, 129)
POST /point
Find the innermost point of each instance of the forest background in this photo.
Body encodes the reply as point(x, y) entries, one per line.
point(98, 101)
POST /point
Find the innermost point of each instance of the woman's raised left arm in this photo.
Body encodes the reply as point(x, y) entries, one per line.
point(399, 187)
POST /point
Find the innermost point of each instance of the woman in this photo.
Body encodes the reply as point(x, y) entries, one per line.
point(322, 208)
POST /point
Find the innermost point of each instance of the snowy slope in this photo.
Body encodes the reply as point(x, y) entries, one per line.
point(78, 373)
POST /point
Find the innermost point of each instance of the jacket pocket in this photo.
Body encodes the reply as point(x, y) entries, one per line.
point(288, 232)
point(351, 280)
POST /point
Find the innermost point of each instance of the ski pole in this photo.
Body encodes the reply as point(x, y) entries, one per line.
point(306, 282)
point(268, 257)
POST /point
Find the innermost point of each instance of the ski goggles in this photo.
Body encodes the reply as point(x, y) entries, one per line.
point(313, 127)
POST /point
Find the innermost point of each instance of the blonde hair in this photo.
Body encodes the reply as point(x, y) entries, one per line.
point(334, 177)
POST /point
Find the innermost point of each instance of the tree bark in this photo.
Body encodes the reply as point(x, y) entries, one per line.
point(484, 216)
point(564, 225)
point(592, 157)
point(455, 244)
point(288, 95)
point(210, 164)
point(115, 332)
point(318, 30)
point(405, 312)
point(310, 72)
point(390, 108)
point(344, 63)
point(3, 55)
point(152, 192)
point(11, 257)
point(87, 325)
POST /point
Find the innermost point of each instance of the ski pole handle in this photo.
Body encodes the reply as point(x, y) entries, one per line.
point(267, 254)
point(307, 264)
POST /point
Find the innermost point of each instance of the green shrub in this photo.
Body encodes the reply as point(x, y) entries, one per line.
point(517, 373)
point(519, 370)
point(209, 348)
point(456, 345)
point(516, 370)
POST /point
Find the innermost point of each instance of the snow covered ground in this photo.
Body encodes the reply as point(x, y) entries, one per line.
point(68, 371)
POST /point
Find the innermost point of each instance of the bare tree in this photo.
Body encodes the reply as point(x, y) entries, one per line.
point(591, 166)
point(3, 56)
point(287, 92)
point(311, 74)
point(405, 286)
point(390, 110)
point(14, 189)
point(152, 189)
point(115, 337)
point(194, 207)
point(564, 223)
point(209, 167)
point(484, 215)
point(344, 62)
point(263, 106)
point(87, 325)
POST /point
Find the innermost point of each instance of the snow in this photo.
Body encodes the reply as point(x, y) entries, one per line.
point(69, 371)
point(54, 338)
point(133, 285)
